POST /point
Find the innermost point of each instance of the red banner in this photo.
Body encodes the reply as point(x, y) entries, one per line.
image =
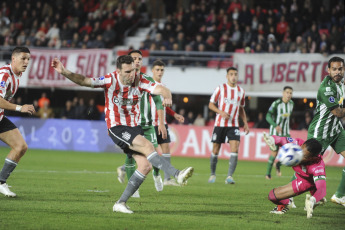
point(90, 63)
point(195, 141)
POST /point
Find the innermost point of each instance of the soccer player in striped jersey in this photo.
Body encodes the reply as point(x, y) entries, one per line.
point(326, 125)
point(123, 90)
point(158, 68)
point(149, 105)
point(231, 101)
point(278, 116)
point(9, 133)
point(310, 175)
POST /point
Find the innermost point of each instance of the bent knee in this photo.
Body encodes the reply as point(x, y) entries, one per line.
point(145, 168)
point(21, 148)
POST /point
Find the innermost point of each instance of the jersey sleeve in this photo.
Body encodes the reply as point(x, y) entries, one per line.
point(158, 102)
point(328, 96)
point(169, 111)
point(146, 85)
point(102, 82)
point(271, 111)
point(215, 96)
point(4, 83)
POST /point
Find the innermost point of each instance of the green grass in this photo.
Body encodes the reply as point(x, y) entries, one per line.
point(77, 190)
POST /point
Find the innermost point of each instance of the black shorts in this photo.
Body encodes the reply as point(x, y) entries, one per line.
point(220, 133)
point(6, 125)
point(160, 139)
point(123, 136)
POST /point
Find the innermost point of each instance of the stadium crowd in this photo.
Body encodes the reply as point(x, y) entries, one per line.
point(195, 25)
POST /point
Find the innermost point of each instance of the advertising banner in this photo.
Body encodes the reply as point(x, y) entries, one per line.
point(186, 140)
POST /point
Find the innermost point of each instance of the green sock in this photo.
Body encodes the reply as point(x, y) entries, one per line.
point(155, 171)
point(278, 164)
point(341, 189)
point(270, 165)
point(129, 166)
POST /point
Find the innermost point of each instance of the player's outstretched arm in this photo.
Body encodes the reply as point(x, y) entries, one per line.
point(19, 108)
point(166, 94)
point(76, 78)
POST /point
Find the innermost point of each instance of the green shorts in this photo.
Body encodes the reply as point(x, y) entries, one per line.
point(150, 134)
point(337, 142)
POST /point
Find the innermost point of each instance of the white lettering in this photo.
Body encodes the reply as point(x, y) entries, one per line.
point(206, 144)
point(259, 144)
point(246, 145)
point(191, 142)
point(33, 132)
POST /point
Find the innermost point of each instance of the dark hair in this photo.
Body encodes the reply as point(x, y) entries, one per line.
point(124, 59)
point(158, 62)
point(135, 51)
point(313, 146)
point(287, 87)
point(20, 49)
point(335, 59)
point(231, 68)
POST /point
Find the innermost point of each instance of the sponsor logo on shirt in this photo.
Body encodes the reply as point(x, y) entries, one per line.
point(328, 89)
point(124, 101)
point(286, 115)
point(230, 101)
point(331, 99)
point(3, 84)
point(319, 171)
point(328, 93)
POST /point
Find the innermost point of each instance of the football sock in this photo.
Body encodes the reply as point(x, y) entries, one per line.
point(341, 189)
point(133, 184)
point(129, 166)
point(270, 165)
point(167, 157)
point(213, 163)
point(232, 163)
point(272, 197)
point(278, 164)
point(155, 171)
point(9, 166)
point(159, 162)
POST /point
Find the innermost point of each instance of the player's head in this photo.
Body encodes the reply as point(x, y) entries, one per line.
point(158, 70)
point(287, 93)
point(20, 59)
point(232, 76)
point(137, 57)
point(311, 149)
point(125, 69)
point(336, 69)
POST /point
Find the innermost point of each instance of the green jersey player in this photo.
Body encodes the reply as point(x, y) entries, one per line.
point(278, 116)
point(326, 126)
point(146, 125)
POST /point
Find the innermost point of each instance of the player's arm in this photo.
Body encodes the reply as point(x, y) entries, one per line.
point(269, 117)
point(215, 109)
point(19, 108)
point(172, 113)
point(160, 111)
point(76, 78)
point(338, 112)
point(165, 93)
point(243, 116)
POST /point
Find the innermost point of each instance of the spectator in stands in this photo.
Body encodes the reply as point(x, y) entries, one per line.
point(45, 111)
point(199, 120)
point(68, 112)
point(190, 118)
point(80, 109)
point(109, 37)
point(261, 122)
point(92, 111)
point(43, 99)
point(308, 117)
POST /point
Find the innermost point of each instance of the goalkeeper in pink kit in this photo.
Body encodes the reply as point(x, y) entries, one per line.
point(310, 176)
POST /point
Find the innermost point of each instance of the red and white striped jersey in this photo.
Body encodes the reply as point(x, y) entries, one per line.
point(155, 120)
point(9, 83)
point(122, 101)
point(229, 100)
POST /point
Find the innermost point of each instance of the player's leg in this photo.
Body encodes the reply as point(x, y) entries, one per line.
point(16, 142)
point(218, 137)
point(274, 150)
point(134, 183)
point(280, 196)
point(233, 135)
point(142, 145)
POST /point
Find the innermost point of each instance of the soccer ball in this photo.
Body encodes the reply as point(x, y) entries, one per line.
point(290, 154)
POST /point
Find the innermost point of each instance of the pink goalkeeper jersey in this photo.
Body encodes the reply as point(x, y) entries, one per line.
point(311, 172)
point(9, 83)
point(122, 101)
point(229, 100)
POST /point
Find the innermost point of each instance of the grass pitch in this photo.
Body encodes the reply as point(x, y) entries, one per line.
point(77, 190)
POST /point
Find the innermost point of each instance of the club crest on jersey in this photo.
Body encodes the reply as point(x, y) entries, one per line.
point(101, 78)
point(124, 101)
point(126, 135)
point(331, 99)
point(289, 139)
point(3, 84)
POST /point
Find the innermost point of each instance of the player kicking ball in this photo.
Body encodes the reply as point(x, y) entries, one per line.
point(310, 176)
